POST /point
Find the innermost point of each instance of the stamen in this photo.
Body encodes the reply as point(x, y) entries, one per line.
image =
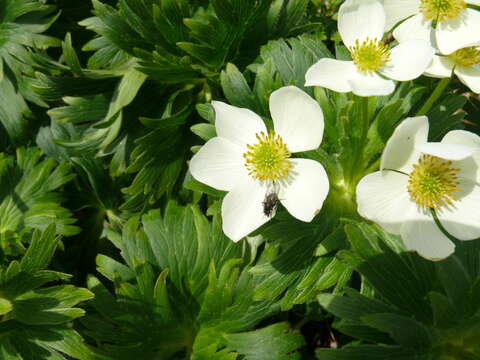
point(370, 55)
point(468, 56)
point(432, 182)
point(268, 159)
point(441, 10)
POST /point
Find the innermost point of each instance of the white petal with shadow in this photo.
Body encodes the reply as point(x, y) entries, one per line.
point(219, 164)
point(414, 28)
point(304, 194)
point(361, 19)
point(331, 74)
point(398, 10)
point(440, 67)
point(297, 118)
point(400, 151)
point(242, 209)
point(371, 84)
point(462, 219)
point(236, 124)
point(447, 151)
point(382, 197)
point(426, 238)
point(470, 76)
point(463, 31)
point(408, 60)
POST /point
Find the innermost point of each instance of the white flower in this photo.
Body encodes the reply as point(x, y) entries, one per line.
point(465, 63)
point(361, 24)
point(251, 163)
point(456, 25)
point(416, 176)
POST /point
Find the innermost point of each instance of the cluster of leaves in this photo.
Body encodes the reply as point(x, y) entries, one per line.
point(101, 106)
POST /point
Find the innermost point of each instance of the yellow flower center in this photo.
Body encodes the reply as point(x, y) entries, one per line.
point(370, 55)
point(432, 182)
point(440, 10)
point(268, 159)
point(468, 56)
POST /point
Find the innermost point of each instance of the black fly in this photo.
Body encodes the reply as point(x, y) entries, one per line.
point(270, 204)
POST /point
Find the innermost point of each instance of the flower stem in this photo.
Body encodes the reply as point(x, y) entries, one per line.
point(441, 86)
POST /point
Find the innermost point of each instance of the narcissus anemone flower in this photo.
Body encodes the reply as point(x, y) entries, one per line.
point(361, 24)
point(465, 63)
point(449, 24)
point(417, 177)
point(255, 166)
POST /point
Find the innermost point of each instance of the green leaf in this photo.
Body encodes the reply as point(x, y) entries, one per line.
point(277, 343)
point(204, 131)
point(29, 197)
point(236, 89)
point(407, 332)
point(456, 282)
point(5, 306)
point(372, 352)
point(70, 56)
point(293, 57)
point(41, 250)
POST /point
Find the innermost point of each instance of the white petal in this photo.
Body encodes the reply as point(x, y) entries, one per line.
point(397, 10)
point(462, 219)
point(473, 2)
point(219, 164)
point(408, 60)
point(297, 118)
point(470, 167)
point(304, 194)
point(462, 137)
point(400, 151)
point(372, 84)
point(237, 124)
point(440, 67)
point(331, 74)
point(359, 19)
point(242, 209)
point(447, 151)
point(470, 76)
point(463, 31)
point(382, 197)
point(415, 28)
point(424, 237)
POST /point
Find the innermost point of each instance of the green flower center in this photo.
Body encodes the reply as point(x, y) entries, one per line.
point(468, 56)
point(268, 159)
point(432, 182)
point(370, 55)
point(441, 10)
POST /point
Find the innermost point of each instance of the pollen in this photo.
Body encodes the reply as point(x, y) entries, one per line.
point(370, 55)
point(268, 158)
point(441, 10)
point(433, 182)
point(468, 56)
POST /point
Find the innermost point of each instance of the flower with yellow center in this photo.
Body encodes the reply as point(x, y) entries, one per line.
point(450, 24)
point(250, 162)
point(374, 66)
point(417, 177)
point(268, 158)
point(465, 63)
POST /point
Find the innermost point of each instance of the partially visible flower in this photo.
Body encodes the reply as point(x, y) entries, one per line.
point(448, 24)
point(361, 24)
point(252, 163)
point(417, 177)
point(465, 63)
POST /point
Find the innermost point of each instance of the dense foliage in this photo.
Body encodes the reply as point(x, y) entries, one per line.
point(111, 250)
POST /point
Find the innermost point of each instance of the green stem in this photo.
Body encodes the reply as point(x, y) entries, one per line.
point(357, 164)
point(441, 86)
point(366, 119)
